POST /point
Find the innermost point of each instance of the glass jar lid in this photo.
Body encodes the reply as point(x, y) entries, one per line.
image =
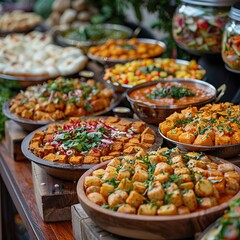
point(212, 3)
point(235, 11)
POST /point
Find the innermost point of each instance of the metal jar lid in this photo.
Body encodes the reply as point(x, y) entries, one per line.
point(212, 3)
point(235, 11)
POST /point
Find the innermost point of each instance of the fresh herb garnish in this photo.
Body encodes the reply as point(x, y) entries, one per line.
point(170, 91)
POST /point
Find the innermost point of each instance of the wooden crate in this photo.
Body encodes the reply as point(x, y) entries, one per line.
point(14, 134)
point(54, 196)
point(85, 229)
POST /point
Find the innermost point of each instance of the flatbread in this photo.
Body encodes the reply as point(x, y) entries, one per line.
point(34, 55)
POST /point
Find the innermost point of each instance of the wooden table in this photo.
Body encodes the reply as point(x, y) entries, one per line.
point(17, 178)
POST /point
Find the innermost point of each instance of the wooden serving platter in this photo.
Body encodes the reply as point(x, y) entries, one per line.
point(54, 197)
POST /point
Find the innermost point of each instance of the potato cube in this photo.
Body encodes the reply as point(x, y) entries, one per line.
point(126, 208)
point(91, 160)
point(166, 126)
point(97, 198)
point(147, 209)
point(235, 138)
point(156, 193)
point(232, 174)
point(189, 200)
point(168, 209)
point(50, 157)
point(92, 181)
point(94, 152)
point(105, 158)
point(123, 173)
point(208, 202)
point(147, 138)
point(138, 126)
point(175, 198)
point(163, 167)
point(186, 185)
point(226, 167)
point(125, 184)
point(99, 172)
point(174, 134)
point(183, 210)
point(92, 189)
point(222, 140)
point(135, 199)
point(139, 187)
point(218, 183)
point(106, 189)
point(109, 176)
point(118, 197)
point(232, 186)
point(203, 140)
point(114, 162)
point(162, 177)
point(140, 176)
point(75, 159)
point(186, 137)
point(204, 188)
point(117, 146)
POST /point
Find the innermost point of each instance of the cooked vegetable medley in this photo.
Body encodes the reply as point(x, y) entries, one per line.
point(90, 141)
point(228, 227)
point(211, 125)
point(140, 71)
point(162, 182)
point(61, 98)
point(126, 49)
point(231, 50)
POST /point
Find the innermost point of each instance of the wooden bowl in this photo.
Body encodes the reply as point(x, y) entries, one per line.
point(149, 227)
point(156, 113)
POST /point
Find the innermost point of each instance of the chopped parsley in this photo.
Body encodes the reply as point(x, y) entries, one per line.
point(170, 91)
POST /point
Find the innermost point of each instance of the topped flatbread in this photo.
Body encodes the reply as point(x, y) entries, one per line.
point(19, 21)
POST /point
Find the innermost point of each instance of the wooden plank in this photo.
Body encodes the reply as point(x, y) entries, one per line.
point(17, 177)
point(14, 135)
point(54, 196)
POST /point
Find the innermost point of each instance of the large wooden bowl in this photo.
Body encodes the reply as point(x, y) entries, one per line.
point(149, 227)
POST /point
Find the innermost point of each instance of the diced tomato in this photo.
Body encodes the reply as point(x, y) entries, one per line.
point(149, 77)
point(138, 73)
point(203, 24)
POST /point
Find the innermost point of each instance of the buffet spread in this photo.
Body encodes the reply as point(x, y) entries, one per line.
point(159, 170)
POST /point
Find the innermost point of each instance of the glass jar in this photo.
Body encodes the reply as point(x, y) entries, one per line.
point(231, 40)
point(198, 25)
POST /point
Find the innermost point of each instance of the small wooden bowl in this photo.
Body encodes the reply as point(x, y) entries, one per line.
point(149, 227)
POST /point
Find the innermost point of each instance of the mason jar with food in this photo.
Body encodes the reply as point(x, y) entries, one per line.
point(198, 25)
point(231, 40)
